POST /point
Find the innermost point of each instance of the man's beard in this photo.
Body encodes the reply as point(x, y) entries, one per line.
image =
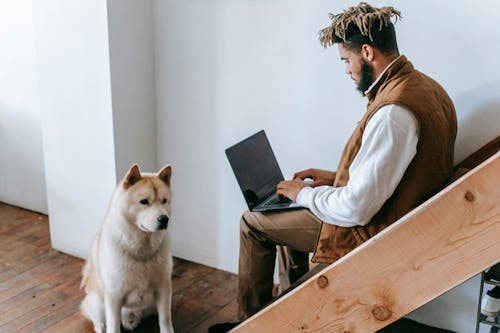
point(366, 77)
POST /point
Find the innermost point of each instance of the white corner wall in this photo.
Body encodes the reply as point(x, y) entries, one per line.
point(75, 99)
point(22, 180)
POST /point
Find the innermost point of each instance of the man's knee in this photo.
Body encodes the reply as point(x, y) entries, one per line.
point(249, 221)
point(252, 227)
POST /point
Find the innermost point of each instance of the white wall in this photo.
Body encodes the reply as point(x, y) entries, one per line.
point(454, 46)
point(22, 180)
point(226, 69)
point(75, 99)
point(131, 53)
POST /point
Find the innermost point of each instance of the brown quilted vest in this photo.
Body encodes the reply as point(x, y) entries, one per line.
point(429, 170)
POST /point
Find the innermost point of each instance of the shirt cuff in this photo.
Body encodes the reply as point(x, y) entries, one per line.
point(304, 196)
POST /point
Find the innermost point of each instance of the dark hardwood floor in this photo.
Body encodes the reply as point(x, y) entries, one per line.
point(40, 287)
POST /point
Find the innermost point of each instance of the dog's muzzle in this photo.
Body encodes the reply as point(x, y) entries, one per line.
point(162, 222)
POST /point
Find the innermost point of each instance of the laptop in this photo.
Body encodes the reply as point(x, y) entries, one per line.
point(257, 173)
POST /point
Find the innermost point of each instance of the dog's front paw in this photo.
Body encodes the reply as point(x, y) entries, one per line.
point(168, 328)
point(99, 328)
point(130, 319)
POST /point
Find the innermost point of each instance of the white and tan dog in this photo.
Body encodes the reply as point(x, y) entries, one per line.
point(128, 274)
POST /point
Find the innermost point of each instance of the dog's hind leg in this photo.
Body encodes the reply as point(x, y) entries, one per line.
point(92, 307)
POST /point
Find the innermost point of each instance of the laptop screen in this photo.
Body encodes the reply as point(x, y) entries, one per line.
point(255, 167)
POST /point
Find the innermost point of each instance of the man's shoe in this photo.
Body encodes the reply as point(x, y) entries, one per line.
point(490, 305)
point(222, 328)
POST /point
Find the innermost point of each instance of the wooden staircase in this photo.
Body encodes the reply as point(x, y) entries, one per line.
point(439, 245)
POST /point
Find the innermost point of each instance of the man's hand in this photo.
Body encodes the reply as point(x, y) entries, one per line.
point(291, 188)
point(319, 177)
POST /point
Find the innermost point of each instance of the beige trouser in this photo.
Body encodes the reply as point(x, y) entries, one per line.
point(294, 232)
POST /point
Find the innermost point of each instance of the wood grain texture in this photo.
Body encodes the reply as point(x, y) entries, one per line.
point(447, 240)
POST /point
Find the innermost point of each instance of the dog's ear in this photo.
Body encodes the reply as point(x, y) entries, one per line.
point(132, 177)
point(165, 174)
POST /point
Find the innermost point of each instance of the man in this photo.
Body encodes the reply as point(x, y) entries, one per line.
point(399, 155)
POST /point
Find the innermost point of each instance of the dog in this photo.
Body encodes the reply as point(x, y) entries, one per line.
point(128, 275)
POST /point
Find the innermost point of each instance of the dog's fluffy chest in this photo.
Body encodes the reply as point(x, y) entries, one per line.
point(140, 279)
point(135, 265)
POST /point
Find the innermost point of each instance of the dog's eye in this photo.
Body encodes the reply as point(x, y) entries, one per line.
point(144, 202)
point(164, 201)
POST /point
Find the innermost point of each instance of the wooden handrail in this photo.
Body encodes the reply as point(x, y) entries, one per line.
point(442, 243)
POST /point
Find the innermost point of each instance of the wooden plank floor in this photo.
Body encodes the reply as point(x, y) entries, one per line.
point(39, 287)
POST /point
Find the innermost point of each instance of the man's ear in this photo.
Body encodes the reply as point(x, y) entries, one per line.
point(165, 174)
point(132, 177)
point(367, 52)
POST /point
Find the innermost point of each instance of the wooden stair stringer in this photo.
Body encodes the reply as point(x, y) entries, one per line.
point(439, 245)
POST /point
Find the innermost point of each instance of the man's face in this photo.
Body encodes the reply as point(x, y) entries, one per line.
point(360, 71)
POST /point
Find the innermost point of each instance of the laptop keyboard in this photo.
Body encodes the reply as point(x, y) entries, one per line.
point(273, 200)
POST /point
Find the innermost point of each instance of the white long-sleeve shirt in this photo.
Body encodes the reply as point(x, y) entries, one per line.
point(389, 144)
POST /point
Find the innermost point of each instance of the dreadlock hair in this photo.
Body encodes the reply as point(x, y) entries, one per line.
point(360, 25)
